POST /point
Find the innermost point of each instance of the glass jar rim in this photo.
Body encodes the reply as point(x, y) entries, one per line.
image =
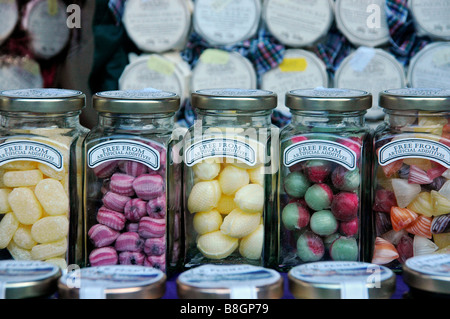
point(419, 99)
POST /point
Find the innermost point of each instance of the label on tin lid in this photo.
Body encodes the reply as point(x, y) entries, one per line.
point(430, 67)
point(93, 281)
point(9, 15)
point(123, 150)
point(25, 74)
point(371, 70)
point(242, 280)
point(299, 69)
point(433, 265)
point(363, 22)
point(237, 71)
point(147, 93)
point(157, 26)
point(298, 23)
point(432, 17)
point(47, 27)
point(14, 271)
point(355, 278)
point(41, 93)
point(226, 22)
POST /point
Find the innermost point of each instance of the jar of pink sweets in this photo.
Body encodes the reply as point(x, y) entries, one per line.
point(230, 157)
point(323, 195)
point(40, 169)
point(411, 187)
point(132, 182)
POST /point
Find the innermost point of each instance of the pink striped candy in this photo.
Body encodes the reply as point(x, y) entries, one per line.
point(103, 256)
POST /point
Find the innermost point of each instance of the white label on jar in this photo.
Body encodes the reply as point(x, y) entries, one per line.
point(414, 148)
point(432, 16)
point(9, 14)
point(93, 281)
point(433, 265)
point(241, 279)
point(25, 150)
point(322, 150)
point(355, 278)
point(123, 150)
point(298, 23)
point(221, 147)
point(226, 22)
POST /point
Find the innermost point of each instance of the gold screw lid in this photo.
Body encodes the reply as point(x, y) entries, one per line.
point(329, 100)
point(27, 279)
point(230, 282)
point(421, 99)
point(113, 282)
point(146, 101)
point(429, 273)
point(234, 100)
point(42, 100)
point(341, 280)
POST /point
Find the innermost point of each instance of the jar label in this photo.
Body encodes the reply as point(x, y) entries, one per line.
point(123, 150)
point(22, 150)
point(414, 148)
point(221, 147)
point(322, 150)
point(433, 265)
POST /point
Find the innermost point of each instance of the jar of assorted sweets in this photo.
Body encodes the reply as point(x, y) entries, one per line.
point(229, 180)
point(411, 185)
point(40, 169)
point(132, 182)
point(323, 188)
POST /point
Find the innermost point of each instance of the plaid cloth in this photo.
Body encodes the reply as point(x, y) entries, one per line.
point(117, 7)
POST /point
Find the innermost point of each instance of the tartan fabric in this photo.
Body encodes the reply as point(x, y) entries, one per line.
point(117, 7)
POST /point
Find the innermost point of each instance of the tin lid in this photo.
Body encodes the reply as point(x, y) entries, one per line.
point(9, 15)
point(234, 100)
point(363, 22)
point(429, 273)
point(371, 70)
point(157, 26)
point(421, 99)
point(46, 23)
point(300, 69)
point(227, 22)
point(42, 100)
point(431, 18)
point(147, 101)
point(328, 99)
point(113, 282)
point(221, 69)
point(341, 280)
point(430, 67)
point(27, 279)
point(298, 23)
point(153, 71)
point(19, 72)
point(230, 282)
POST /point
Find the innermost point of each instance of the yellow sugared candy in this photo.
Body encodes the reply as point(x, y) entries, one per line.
point(25, 205)
point(206, 222)
point(49, 250)
point(204, 196)
point(430, 123)
point(251, 245)
point(4, 204)
point(216, 245)
point(20, 165)
point(442, 240)
point(206, 170)
point(257, 175)
point(8, 226)
point(50, 172)
point(22, 237)
point(422, 204)
point(59, 262)
point(250, 198)
point(49, 229)
point(232, 178)
point(22, 178)
point(441, 204)
point(19, 253)
point(52, 196)
point(421, 163)
point(238, 224)
point(226, 204)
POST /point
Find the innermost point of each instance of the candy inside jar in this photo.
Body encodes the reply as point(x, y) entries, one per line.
point(411, 194)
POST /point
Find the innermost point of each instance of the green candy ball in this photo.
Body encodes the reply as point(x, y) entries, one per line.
point(323, 223)
point(344, 249)
point(310, 247)
point(296, 184)
point(295, 216)
point(319, 196)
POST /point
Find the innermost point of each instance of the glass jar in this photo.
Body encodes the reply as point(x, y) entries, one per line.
point(323, 178)
point(40, 165)
point(411, 186)
point(132, 184)
point(229, 177)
